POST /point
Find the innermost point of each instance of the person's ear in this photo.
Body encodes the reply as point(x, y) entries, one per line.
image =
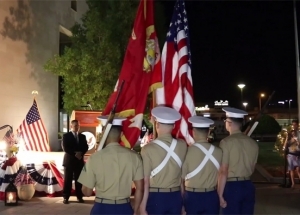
point(156, 124)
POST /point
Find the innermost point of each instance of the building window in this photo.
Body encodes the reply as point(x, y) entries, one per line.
point(64, 42)
point(74, 5)
point(63, 122)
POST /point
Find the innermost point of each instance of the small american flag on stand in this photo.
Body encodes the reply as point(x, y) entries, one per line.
point(33, 132)
point(23, 177)
point(177, 78)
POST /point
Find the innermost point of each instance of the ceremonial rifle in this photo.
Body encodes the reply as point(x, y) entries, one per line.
point(249, 130)
point(110, 119)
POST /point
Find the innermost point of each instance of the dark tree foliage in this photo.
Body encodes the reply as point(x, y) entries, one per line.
point(267, 125)
point(90, 67)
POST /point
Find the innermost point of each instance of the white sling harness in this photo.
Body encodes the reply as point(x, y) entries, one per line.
point(170, 153)
point(208, 156)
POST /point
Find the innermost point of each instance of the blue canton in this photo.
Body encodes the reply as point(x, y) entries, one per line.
point(178, 23)
point(33, 114)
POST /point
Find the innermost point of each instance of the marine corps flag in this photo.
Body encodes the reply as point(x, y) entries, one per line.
point(141, 71)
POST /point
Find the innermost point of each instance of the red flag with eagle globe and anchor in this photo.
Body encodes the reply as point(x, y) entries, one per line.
point(141, 73)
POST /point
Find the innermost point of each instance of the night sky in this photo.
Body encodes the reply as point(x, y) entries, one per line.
point(250, 42)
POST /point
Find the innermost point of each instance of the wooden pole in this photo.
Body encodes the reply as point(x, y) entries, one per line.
point(152, 120)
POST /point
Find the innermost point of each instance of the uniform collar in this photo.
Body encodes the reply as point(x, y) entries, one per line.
point(235, 132)
point(112, 144)
point(165, 136)
point(201, 141)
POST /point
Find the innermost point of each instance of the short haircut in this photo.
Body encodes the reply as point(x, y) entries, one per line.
point(167, 126)
point(115, 132)
point(170, 124)
point(116, 128)
point(74, 121)
point(202, 130)
point(295, 121)
point(237, 120)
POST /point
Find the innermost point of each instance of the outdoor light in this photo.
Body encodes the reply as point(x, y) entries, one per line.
point(245, 104)
point(290, 100)
point(11, 195)
point(261, 95)
point(241, 86)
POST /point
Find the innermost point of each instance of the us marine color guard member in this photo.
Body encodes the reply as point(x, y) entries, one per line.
point(162, 160)
point(111, 171)
point(240, 152)
point(200, 171)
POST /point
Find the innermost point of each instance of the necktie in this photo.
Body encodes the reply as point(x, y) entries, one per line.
point(76, 137)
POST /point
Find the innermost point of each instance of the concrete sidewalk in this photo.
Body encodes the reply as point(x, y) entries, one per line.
point(270, 199)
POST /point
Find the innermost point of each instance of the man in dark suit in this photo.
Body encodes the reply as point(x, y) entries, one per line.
point(74, 146)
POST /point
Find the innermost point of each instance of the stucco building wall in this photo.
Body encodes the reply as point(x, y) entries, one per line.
point(29, 36)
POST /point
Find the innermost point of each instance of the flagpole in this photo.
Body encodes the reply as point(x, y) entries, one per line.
point(153, 121)
point(35, 93)
point(297, 56)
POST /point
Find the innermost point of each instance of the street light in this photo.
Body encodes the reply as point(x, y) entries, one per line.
point(260, 96)
point(289, 109)
point(241, 86)
point(245, 104)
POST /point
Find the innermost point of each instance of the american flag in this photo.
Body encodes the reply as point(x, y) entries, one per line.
point(177, 78)
point(33, 132)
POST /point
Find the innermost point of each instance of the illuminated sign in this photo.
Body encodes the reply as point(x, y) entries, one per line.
point(221, 103)
point(205, 108)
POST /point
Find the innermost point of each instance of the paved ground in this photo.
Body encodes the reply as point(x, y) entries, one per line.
point(45, 205)
point(270, 199)
point(257, 177)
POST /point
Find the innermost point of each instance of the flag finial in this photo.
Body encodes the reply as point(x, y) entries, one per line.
point(34, 93)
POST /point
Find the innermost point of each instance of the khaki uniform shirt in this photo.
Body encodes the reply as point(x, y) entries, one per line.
point(111, 171)
point(153, 155)
point(240, 153)
point(208, 176)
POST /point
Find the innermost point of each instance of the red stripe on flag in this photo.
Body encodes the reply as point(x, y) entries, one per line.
point(168, 79)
